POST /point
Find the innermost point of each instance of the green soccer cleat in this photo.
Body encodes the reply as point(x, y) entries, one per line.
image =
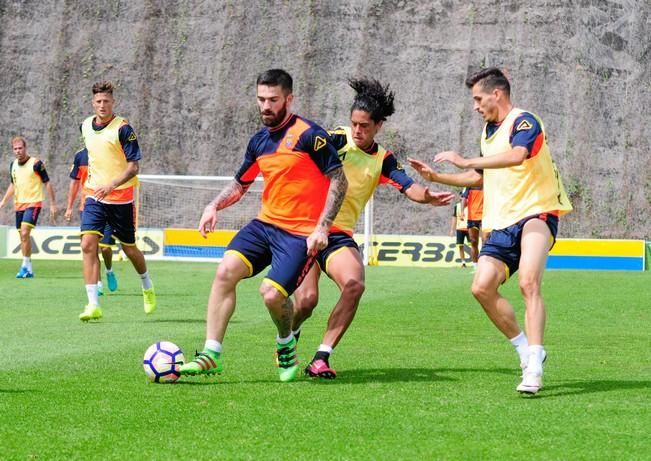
point(149, 300)
point(100, 292)
point(90, 313)
point(204, 363)
point(287, 361)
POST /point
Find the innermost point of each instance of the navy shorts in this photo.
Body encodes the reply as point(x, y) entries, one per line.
point(336, 241)
point(120, 219)
point(504, 244)
point(474, 224)
point(260, 244)
point(461, 236)
point(107, 240)
point(28, 216)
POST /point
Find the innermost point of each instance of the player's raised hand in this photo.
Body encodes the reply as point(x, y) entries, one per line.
point(208, 221)
point(317, 240)
point(452, 157)
point(421, 167)
point(438, 198)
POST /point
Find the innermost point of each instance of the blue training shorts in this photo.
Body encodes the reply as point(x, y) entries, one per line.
point(260, 244)
point(107, 240)
point(461, 236)
point(119, 217)
point(504, 244)
point(28, 216)
point(336, 241)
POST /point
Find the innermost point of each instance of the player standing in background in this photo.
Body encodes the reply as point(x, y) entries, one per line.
point(78, 176)
point(366, 165)
point(524, 197)
point(474, 207)
point(28, 175)
point(113, 155)
point(459, 226)
point(304, 186)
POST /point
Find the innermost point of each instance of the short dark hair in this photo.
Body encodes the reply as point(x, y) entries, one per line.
point(490, 79)
point(103, 86)
point(373, 98)
point(276, 77)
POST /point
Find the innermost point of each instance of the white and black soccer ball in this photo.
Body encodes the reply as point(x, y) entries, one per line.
point(162, 362)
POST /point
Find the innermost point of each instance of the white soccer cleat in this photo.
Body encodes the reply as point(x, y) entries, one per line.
point(523, 366)
point(531, 383)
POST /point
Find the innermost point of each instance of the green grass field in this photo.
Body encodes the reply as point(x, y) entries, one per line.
point(422, 373)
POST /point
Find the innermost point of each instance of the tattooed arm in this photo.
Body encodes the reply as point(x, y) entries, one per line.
point(318, 239)
point(231, 194)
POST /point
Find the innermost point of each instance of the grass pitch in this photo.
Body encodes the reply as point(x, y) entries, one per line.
point(422, 373)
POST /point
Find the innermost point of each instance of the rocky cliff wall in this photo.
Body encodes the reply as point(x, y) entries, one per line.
point(185, 73)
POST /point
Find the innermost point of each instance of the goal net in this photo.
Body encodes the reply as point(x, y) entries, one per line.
point(176, 201)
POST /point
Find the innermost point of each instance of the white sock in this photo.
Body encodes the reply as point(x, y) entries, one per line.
point(296, 332)
point(99, 284)
point(535, 359)
point(146, 281)
point(108, 271)
point(213, 346)
point(286, 340)
point(521, 346)
point(27, 263)
point(325, 348)
point(91, 292)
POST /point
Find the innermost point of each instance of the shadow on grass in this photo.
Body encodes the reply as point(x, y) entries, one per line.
point(591, 387)
point(15, 391)
point(395, 375)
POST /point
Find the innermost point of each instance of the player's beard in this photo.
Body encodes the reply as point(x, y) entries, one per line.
point(271, 119)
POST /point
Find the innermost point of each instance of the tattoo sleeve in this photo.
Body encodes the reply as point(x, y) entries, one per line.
point(231, 194)
point(336, 194)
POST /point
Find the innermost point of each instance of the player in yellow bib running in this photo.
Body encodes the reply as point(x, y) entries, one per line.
point(523, 198)
point(28, 181)
point(113, 156)
point(366, 165)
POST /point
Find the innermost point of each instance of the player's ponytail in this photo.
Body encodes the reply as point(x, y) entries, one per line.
point(373, 98)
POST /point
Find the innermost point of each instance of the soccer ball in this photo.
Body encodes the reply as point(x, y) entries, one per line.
point(162, 361)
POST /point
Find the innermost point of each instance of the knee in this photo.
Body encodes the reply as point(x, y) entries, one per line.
point(88, 246)
point(24, 234)
point(354, 289)
point(480, 291)
point(306, 302)
point(529, 286)
point(271, 296)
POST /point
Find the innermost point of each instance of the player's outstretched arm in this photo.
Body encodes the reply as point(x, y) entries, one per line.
point(510, 158)
point(231, 194)
point(8, 194)
point(421, 194)
point(318, 239)
point(464, 179)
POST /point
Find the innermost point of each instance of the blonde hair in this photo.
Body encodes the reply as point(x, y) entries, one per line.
point(19, 138)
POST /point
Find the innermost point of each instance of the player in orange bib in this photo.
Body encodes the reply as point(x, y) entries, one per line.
point(304, 186)
point(28, 181)
point(523, 198)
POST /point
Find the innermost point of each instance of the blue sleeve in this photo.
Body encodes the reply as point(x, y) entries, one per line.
point(526, 130)
point(249, 169)
point(392, 170)
point(39, 169)
point(129, 142)
point(318, 144)
point(338, 137)
point(74, 171)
